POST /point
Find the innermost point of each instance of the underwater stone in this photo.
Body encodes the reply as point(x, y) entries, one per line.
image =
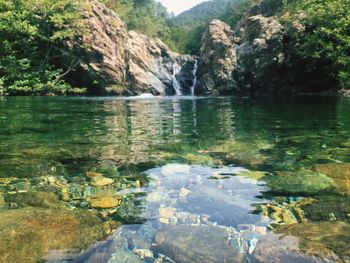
point(302, 182)
point(105, 202)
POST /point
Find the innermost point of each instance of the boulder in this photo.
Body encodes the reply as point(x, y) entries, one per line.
point(30, 234)
point(195, 244)
point(339, 172)
point(301, 182)
point(217, 60)
point(260, 55)
point(306, 242)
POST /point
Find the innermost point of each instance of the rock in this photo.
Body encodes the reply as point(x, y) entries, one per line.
point(195, 244)
point(329, 240)
point(260, 54)
point(247, 154)
point(167, 212)
point(171, 169)
point(144, 253)
point(184, 192)
point(105, 202)
point(97, 179)
point(217, 60)
point(122, 62)
point(302, 182)
point(130, 211)
point(339, 172)
point(328, 210)
point(27, 235)
point(35, 199)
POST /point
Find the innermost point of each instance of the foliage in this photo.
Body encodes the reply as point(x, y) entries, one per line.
point(35, 35)
point(322, 42)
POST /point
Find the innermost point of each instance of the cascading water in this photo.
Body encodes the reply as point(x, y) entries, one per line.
point(176, 83)
point(194, 77)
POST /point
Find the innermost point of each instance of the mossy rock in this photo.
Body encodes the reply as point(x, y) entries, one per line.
point(301, 182)
point(35, 199)
point(29, 234)
point(250, 154)
point(339, 172)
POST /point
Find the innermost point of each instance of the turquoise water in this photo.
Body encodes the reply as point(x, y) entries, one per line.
point(185, 169)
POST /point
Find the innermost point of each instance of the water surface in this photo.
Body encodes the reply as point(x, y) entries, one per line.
point(241, 172)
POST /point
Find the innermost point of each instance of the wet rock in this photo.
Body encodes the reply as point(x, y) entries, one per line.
point(27, 235)
point(195, 244)
point(171, 169)
point(243, 153)
point(306, 242)
point(131, 211)
point(97, 179)
point(184, 192)
point(144, 253)
point(328, 210)
point(339, 172)
point(302, 182)
point(35, 199)
point(167, 212)
point(105, 202)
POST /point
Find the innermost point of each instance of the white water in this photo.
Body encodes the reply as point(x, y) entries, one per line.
point(194, 77)
point(176, 83)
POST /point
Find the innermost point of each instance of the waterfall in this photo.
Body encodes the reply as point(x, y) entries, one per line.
point(176, 83)
point(194, 77)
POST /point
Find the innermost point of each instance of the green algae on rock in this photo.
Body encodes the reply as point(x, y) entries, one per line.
point(301, 182)
point(29, 234)
point(243, 153)
point(339, 172)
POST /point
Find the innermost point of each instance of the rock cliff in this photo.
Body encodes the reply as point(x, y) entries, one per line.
point(119, 61)
point(217, 60)
point(241, 61)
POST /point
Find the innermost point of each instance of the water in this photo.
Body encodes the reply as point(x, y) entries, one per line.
point(195, 68)
point(176, 83)
point(234, 179)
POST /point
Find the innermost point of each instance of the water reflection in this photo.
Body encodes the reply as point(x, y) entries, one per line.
point(299, 148)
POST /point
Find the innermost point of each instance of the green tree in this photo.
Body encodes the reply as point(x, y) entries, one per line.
point(34, 45)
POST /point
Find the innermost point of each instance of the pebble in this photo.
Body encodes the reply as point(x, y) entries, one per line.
point(105, 202)
point(184, 192)
point(144, 253)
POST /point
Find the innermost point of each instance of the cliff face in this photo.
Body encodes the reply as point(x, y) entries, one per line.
point(121, 62)
point(242, 61)
point(256, 57)
point(217, 60)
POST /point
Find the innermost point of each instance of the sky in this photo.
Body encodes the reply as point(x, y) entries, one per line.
point(178, 6)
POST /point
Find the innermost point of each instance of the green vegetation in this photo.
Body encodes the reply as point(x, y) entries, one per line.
point(34, 53)
point(325, 41)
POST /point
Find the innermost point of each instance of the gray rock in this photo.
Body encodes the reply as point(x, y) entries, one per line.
point(196, 244)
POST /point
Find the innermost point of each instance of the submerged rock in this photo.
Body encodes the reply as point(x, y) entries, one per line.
point(196, 244)
point(250, 154)
point(339, 172)
point(97, 179)
point(35, 199)
point(302, 182)
point(28, 235)
point(105, 202)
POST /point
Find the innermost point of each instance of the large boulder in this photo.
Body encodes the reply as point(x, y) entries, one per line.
point(217, 60)
point(36, 234)
point(260, 56)
point(300, 182)
point(196, 244)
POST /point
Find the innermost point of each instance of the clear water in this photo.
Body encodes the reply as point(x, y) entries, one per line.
point(207, 143)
